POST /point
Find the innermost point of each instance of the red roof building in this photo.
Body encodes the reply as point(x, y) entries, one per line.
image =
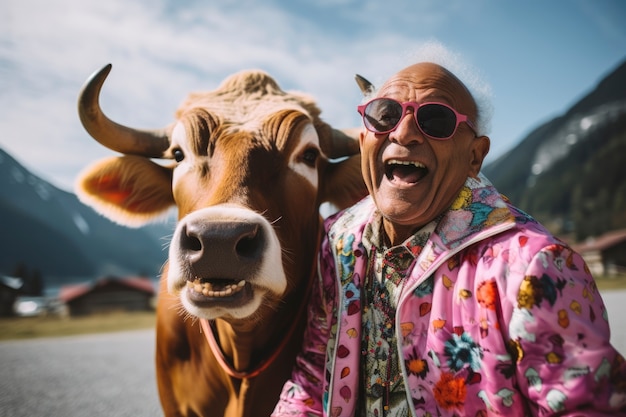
point(108, 294)
point(606, 254)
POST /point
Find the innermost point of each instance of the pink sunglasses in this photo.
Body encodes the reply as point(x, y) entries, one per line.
point(436, 120)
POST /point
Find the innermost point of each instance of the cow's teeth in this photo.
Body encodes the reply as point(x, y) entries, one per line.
point(206, 288)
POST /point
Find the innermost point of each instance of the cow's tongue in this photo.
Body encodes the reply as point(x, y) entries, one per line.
point(405, 173)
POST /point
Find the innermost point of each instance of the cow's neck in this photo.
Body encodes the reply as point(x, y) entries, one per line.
point(238, 344)
point(247, 343)
point(247, 349)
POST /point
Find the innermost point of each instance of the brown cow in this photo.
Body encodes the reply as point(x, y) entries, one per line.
point(252, 164)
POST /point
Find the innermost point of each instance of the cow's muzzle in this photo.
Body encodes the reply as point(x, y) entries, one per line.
point(224, 259)
point(222, 249)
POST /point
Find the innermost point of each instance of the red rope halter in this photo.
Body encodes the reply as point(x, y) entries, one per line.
point(207, 329)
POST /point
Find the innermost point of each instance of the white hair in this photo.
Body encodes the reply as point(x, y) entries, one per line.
point(437, 53)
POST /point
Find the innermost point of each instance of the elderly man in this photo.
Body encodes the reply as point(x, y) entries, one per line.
point(436, 296)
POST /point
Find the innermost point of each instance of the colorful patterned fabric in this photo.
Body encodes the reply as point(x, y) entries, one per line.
point(496, 317)
point(383, 383)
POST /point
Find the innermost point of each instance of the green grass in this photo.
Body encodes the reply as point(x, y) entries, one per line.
point(33, 327)
point(612, 283)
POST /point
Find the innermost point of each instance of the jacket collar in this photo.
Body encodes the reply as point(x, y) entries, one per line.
point(478, 208)
point(478, 211)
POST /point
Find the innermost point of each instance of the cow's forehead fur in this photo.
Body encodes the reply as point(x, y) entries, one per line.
point(246, 98)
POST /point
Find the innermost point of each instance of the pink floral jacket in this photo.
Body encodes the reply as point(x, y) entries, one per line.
point(496, 318)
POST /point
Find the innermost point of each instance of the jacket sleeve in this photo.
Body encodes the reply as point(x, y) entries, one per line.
point(302, 394)
point(566, 364)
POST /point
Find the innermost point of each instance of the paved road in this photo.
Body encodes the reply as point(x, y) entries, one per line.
point(100, 375)
point(616, 306)
point(113, 374)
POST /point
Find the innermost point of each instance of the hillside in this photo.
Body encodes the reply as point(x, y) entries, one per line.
point(570, 173)
point(49, 232)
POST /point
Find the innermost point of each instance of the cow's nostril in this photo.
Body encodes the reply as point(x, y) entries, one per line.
point(190, 241)
point(222, 249)
point(193, 243)
point(251, 245)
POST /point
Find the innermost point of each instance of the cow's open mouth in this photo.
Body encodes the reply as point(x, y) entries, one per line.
point(201, 289)
point(405, 171)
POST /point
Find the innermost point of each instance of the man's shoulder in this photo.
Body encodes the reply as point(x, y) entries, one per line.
point(528, 235)
point(353, 217)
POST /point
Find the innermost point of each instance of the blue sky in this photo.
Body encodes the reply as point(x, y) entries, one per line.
point(538, 56)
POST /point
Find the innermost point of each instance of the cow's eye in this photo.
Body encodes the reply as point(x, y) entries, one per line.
point(178, 155)
point(310, 156)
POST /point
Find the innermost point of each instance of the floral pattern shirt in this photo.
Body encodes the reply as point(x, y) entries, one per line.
point(496, 317)
point(383, 384)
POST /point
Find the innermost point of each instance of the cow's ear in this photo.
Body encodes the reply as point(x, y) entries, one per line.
point(129, 190)
point(343, 185)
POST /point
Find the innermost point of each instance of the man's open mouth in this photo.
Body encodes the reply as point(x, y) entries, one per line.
point(408, 172)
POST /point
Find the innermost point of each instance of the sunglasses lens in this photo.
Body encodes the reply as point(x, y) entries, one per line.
point(436, 120)
point(382, 115)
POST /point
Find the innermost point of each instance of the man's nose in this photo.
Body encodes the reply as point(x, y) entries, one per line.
point(407, 131)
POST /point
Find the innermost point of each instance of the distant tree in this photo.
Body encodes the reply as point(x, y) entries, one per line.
point(20, 270)
point(33, 281)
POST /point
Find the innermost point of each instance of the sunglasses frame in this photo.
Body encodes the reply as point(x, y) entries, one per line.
point(460, 118)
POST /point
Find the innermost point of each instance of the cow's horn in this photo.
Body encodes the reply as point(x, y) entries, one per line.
point(149, 143)
point(345, 142)
point(365, 86)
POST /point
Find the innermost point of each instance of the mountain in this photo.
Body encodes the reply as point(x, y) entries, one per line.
point(569, 172)
point(49, 232)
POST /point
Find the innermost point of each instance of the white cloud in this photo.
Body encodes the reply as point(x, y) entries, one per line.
point(163, 49)
point(157, 57)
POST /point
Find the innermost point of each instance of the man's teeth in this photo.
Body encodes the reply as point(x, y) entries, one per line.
point(207, 289)
point(415, 164)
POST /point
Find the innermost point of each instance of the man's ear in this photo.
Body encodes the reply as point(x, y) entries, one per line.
point(480, 149)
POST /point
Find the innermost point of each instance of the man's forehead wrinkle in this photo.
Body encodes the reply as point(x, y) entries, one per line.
point(432, 86)
point(408, 82)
